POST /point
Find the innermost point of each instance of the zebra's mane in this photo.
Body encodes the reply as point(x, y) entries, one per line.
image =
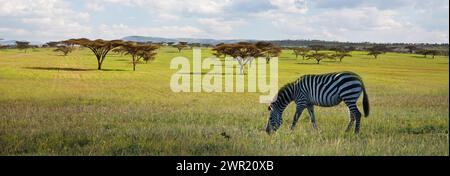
point(281, 90)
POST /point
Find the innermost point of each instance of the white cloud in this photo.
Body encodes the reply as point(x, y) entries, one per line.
point(352, 20)
point(94, 6)
point(291, 6)
point(41, 19)
point(219, 26)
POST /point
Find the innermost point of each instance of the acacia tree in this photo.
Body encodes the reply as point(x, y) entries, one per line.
point(150, 56)
point(428, 52)
point(120, 50)
point(64, 49)
point(316, 48)
point(245, 53)
point(99, 47)
point(377, 50)
point(341, 55)
point(268, 49)
point(222, 50)
point(301, 51)
point(317, 56)
point(146, 52)
point(411, 48)
point(52, 44)
point(375, 53)
point(272, 53)
point(180, 46)
point(23, 45)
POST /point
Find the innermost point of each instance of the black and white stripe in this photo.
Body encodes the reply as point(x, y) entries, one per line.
point(324, 90)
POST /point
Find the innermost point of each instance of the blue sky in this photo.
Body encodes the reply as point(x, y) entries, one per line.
point(341, 20)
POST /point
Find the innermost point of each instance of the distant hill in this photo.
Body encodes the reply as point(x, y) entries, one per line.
point(176, 40)
point(13, 42)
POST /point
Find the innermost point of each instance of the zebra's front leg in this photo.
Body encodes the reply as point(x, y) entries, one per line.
point(297, 115)
point(313, 117)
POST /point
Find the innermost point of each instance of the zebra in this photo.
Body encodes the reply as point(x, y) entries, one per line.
point(325, 90)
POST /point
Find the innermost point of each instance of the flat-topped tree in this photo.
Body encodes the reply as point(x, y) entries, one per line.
point(244, 53)
point(318, 56)
point(120, 50)
point(52, 44)
point(222, 50)
point(301, 52)
point(428, 52)
point(180, 46)
point(268, 49)
point(316, 48)
point(99, 47)
point(23, 45)
point(375, 53)
point(411, 48)
point(149, 56)
point(272, 53)
point(147, 52)
point(337, 49)
point(377, 50)
point(381, 48)
point(341, 55)
point(65, 50)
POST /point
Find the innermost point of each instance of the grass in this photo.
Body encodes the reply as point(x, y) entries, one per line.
point(56, 105)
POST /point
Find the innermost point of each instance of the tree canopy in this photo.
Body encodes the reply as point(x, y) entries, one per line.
point(243, 52)
point(64, 49)
point(301, 52)
point(23, 45)
point(99, 47)
point(318, 56)
point(147, 52)
point(268, 49)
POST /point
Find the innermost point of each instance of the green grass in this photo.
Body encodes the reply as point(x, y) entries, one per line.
point(56, 105)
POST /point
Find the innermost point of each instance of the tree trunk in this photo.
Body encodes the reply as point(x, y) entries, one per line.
point(318, 61)
point(100, 62)
point(242, 69)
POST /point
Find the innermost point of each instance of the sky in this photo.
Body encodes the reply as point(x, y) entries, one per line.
point(409, 21)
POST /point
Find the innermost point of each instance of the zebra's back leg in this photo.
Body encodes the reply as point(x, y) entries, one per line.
point(311, 114)
point(351, 104)
point(351, 121)
point(297, 115)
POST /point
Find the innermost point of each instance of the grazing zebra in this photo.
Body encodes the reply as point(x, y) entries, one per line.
point(322, 90)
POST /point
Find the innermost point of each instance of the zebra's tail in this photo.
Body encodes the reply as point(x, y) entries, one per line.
point(365, 103)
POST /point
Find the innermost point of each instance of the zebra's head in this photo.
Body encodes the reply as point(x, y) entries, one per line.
point(275, 119)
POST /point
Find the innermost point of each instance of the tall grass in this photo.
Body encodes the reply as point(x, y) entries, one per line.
point(56, 105)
